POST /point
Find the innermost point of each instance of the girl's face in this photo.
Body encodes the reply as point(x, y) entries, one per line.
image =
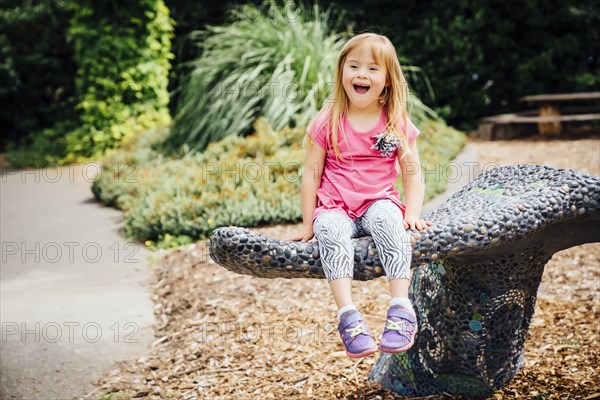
point(362, 78)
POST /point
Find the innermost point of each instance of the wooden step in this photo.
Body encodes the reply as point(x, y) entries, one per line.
point(520, 119)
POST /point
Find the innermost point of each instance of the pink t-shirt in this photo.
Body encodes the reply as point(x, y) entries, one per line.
point(364, 175)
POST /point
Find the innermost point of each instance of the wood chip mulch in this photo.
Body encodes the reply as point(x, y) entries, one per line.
point(220, 335)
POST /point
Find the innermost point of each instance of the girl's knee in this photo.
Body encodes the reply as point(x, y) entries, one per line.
point(332, 225)
point(386, 216)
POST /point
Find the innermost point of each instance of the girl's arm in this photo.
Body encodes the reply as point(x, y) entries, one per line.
point(311, 181)
point(414, 189)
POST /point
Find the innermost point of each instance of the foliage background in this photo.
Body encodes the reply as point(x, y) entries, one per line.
point(272, 61)
point(118, 57)
point(37, 68)
point(123, 56)
point(231, 178)
point(480, 56)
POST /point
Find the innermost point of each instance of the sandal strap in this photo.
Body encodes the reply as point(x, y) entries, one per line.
point(401, 321)
point(398, 312)
point(352, 333)
point(349, 320)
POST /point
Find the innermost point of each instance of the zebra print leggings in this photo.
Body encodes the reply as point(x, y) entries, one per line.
point(383, 220)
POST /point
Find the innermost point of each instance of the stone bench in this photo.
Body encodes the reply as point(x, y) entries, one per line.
point(475, 279)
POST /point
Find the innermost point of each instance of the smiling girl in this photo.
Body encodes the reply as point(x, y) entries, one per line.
point(355, 145)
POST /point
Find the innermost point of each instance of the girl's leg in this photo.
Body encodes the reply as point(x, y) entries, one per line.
point(342, 291)
point(334, 231)
point(383, 220)
point(399, 287)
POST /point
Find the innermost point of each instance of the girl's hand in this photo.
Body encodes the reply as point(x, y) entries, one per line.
point(416, 223)
point(305, 235)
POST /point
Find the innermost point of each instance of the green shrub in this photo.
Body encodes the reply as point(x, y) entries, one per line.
point(275, 61)
point(438, 145)
point(122, 52)
point(248, 181)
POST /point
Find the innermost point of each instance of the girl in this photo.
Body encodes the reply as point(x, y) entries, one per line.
point(353, 149)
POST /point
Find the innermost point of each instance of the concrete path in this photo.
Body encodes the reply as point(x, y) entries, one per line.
point(73, 296)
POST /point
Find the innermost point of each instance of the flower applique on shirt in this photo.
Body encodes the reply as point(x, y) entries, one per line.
point(387, 144)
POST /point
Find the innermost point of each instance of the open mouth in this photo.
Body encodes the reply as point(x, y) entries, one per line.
point(361, 89)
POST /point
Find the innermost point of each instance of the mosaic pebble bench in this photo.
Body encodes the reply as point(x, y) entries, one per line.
point(475, 279)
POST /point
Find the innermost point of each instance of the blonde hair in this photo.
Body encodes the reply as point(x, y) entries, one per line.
point(394, 95)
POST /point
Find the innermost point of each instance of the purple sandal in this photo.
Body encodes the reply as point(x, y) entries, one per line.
point(356, 337)
point(400, 330)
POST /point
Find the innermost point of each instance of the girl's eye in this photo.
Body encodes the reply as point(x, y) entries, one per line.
point(374, 69)
point(353, 66)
